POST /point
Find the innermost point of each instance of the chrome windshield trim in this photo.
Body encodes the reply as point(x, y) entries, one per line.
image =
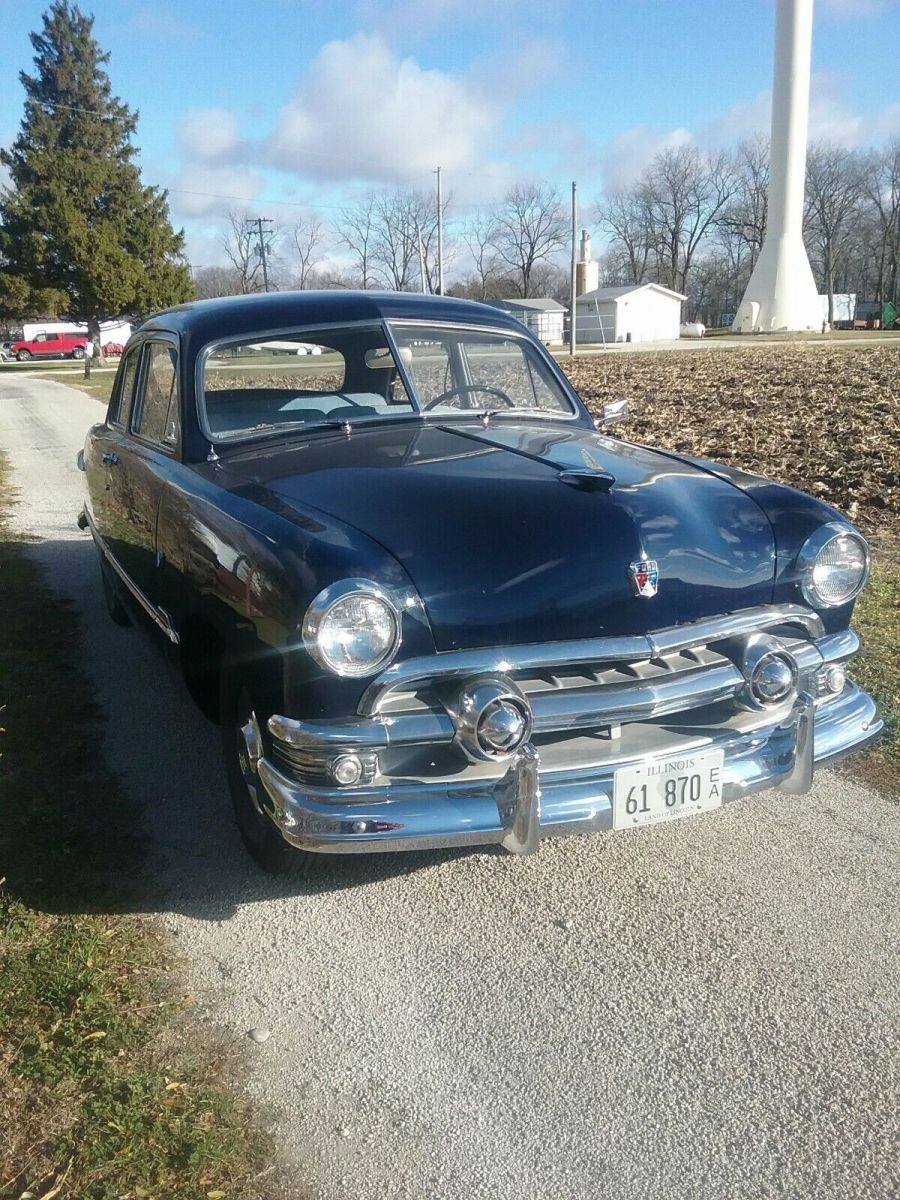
point(410, 672)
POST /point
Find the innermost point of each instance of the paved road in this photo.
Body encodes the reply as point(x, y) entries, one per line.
point(698, 1012)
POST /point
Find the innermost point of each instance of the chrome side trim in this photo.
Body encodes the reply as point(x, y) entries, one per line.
point(405, 675)
point(159, 616)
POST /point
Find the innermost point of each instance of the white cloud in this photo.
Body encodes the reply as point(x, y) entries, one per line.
point(625, 156)
point(162, 22)
point(832, 118)
point(208, 133)
point(362, 113)
point(202, 190)
point(854, 10)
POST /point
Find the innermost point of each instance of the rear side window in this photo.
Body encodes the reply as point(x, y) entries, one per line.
point(118, 411)
point(155, 416)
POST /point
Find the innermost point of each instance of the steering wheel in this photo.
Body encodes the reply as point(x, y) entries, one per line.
point(466, 389)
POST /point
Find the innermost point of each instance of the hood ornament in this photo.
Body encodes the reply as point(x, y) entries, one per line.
point(644, 576)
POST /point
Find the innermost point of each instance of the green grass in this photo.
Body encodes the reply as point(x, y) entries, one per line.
point(109, 1089)
point(98, 386)
point(877, 669)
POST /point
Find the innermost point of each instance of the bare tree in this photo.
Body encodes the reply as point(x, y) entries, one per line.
point(685, 193)
point(240, 241)
point(306, 239)
point(384, 231)
point(479, 233)
point(833, 191)
point(530, 228)
point(626, 217)
point(881, 186)
point(210, 282)
point(357, 233)
point(746, 215)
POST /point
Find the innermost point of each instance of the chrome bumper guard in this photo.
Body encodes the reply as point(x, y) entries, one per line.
point(421, 796)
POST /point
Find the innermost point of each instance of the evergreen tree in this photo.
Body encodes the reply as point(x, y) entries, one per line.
point(79, 231)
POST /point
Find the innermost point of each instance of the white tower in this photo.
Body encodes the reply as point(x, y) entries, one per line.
point(587, 272)
point(782, 293)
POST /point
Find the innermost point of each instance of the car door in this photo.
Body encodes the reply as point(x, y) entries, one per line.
point(150, 454)
point(135, 454)
point(103, 456)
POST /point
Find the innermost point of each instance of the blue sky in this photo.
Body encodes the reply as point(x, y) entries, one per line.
point(286, 103)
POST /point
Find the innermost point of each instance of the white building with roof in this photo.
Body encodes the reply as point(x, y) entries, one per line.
point(544, 317)
point(643, 312)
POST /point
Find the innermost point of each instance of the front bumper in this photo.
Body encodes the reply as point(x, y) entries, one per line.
point(537, 795)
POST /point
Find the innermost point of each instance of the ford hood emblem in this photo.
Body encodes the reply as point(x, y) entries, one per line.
point(644, 576)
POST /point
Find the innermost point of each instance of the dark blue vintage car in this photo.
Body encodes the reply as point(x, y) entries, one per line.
point(431, 605)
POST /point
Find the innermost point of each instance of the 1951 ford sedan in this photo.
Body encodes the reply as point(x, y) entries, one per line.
point(431, 605)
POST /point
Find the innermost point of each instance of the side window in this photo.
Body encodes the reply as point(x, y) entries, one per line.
point(155, 412)
point(118, 410)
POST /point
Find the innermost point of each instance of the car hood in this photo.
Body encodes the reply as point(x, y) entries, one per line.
point(502, 551)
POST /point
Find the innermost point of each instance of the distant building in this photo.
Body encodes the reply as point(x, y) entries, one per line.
point(646, 312)
point(544, 317)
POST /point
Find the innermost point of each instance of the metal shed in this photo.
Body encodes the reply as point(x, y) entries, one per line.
point(544, 317)
point(646, 312)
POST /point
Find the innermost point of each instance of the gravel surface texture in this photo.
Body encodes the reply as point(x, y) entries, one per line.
point(704, 1010)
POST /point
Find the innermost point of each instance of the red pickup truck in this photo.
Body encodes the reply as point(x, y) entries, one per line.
point(67, 344)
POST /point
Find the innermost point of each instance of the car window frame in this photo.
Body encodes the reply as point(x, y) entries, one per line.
point(577, 410)
point(282, 332)
point(119, 422)
point(171, 449)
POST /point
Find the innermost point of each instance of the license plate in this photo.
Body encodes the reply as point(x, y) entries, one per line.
point(665, 789)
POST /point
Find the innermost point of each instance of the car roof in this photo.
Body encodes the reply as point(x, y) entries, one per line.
point(232, 316)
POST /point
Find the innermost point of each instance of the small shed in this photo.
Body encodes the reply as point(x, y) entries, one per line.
point(644, 312)
point(544, 317)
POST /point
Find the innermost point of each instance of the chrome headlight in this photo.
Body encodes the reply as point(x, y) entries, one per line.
point(352, 628)
point(834, 564)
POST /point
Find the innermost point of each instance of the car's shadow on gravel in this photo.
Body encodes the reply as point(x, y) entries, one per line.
point(131, 811)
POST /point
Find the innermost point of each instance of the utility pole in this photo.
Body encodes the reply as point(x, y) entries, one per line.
point(440, 235)
point(421, 258)
point(259, 222)
point(572, 281)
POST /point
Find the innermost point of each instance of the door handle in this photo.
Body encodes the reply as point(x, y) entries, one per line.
point(111, 459)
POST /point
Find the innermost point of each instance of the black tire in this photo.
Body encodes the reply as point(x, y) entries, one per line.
point(258, 832)
point(114, 606)
point(23, 355)
point(78, 352)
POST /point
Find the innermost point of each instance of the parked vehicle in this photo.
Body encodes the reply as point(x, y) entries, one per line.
point(51, 344)
point(431, 605)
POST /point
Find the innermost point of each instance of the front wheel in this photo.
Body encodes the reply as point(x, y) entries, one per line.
point(242, 744)
point(78, 352)
point(23, 355)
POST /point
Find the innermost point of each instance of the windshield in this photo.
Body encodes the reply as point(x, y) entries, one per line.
point(454, 370)
point(315, 378)
point(349, 374)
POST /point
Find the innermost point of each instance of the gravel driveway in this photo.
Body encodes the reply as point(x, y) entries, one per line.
point(705, 1010)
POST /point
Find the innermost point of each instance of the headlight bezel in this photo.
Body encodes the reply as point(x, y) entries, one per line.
point(321, 606)
point(808, 557)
